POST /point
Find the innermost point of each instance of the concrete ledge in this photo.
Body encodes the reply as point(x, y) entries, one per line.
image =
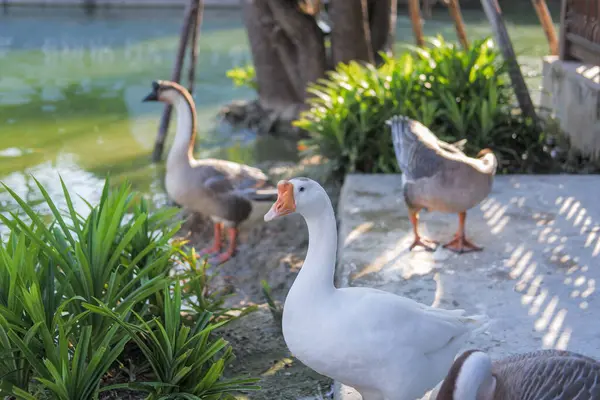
point(536, 277)
point(571, 91)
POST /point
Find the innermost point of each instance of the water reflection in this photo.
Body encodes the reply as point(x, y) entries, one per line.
point(71, 90)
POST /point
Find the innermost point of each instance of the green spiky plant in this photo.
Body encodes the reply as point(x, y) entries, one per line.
point(48, 268)
point(117, 256)
point(201, 295)
point(186, 361)
point(100, 256)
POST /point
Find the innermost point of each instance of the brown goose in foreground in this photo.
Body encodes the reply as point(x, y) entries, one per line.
point(539, 375)
point(438, 176)
point(228, 192)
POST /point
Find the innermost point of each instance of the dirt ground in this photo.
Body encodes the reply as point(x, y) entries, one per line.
point(273, 252)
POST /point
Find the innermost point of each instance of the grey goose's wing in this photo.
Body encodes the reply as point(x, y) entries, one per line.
point(538, 354)
point(416, 148)
point(456, 147)
point(551, 377)
point(229, 178)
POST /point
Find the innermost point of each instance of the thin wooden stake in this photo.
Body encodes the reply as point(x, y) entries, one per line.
point(546, 19)
point(459, 24)
point(494, 15)
point(415, 17)
point(159, 144)
point(563, 51)
point(196, 26)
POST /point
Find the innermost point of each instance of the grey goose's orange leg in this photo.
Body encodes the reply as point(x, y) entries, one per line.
point(460, 244)
point(221, 258)
point(217, 242)
point(428, 244)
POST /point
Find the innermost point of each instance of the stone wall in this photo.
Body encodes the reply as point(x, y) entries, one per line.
point(571, 91)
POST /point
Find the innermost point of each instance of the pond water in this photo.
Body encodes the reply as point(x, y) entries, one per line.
point(71, 86)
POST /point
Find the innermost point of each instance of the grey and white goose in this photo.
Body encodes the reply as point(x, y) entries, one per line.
point(229, 193)
point(438, 176)
point(539, 375)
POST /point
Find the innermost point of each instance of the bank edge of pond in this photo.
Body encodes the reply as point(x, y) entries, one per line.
point(231, 4)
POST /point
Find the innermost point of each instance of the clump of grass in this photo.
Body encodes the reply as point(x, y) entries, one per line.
point(275, 309)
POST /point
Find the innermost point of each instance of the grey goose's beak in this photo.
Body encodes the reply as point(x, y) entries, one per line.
point(153, 96)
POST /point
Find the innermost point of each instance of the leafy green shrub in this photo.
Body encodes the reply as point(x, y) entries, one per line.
point(459, 94)
point(243, 76)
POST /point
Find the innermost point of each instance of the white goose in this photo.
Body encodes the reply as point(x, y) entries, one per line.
point(385, 346)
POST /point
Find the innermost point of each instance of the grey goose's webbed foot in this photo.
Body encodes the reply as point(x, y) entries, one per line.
point(460, 244)
point(232, 249)
point(427, 244)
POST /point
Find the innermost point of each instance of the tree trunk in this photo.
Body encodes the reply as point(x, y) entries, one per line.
point(288, 51)
point(288, 47)
point(275, 86)
point(300, 44)
point(351, 36)
point(382, 24)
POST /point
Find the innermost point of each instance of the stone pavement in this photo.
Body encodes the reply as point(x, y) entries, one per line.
point(536, 277)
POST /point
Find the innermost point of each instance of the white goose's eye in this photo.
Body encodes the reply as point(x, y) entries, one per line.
point(301, 189)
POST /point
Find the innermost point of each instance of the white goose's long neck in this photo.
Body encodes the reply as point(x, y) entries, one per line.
point(317, 274)
point(183, 146)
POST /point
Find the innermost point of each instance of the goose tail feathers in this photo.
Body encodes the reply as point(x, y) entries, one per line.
point(398, 125)
point(478, 323)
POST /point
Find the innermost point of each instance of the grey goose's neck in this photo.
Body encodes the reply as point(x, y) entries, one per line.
point(469, 378)
point(183, 145)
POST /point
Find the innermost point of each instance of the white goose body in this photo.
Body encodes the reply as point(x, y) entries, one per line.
point(386, 346)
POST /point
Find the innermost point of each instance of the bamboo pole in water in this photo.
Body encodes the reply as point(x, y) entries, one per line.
point(546, 20)
point(459, 24)
point(159, 144)
point(415, 17)
point(195, 28)
point(494, 15)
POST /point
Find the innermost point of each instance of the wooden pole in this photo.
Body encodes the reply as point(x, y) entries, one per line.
point(427, 6)
point(159, 144)
point(562, 47)
point(459, 24)
point(196, 25)
point(541, 8)
point(494, 15)
point(415, 17)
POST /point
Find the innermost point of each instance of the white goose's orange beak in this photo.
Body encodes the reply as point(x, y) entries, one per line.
point(285, 203)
